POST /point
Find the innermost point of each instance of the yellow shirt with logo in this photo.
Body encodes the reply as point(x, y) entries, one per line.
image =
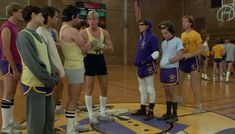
point(191, 41)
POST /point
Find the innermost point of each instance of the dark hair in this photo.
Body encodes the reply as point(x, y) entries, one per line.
point(49, 11)
point(219, 41)
point(70, 12)
point(229, 40)
point(81, 24)
point(28, 10)
point(232, 41)
point(205, 36)
point(167, 25)
point(190, 19)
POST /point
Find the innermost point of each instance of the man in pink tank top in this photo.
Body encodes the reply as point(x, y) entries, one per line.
point(10, 67)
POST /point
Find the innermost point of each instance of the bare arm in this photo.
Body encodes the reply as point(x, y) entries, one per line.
point(6, 37)
point(77, 37)
point(107, 41)
point(178, 57)
point(57, 43)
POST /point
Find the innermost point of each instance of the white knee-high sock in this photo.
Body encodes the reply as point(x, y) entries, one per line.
point(6, 112)
point(102, 105)
point(227, 76)
point(88, 101)
point(70, 115)
point(12, 111)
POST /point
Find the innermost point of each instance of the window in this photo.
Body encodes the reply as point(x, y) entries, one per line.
point(215, 3)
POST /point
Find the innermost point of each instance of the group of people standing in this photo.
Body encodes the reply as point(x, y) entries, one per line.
point(179, 56)
point(33, 54)
point(222, 55)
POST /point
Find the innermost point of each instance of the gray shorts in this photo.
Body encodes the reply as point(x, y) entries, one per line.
point(75, 76)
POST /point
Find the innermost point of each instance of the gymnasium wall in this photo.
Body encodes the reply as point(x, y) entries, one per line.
point(206, 16)
point(156, 10)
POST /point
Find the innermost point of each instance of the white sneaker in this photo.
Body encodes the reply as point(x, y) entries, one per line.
point(203, 76)
point(10, 130)
point(106, 117)
point(81, 128)
point(73, 131)
point(214, 77)
point(189, 76)
point(59, 111)
point(206, 77)
point(221, 79)
point(19, 126)
point(94, 120)
point(198, 110)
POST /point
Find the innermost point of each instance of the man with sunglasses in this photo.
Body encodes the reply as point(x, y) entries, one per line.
point(147, 53)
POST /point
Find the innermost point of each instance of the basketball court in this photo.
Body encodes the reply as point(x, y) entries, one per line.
point(218, 99)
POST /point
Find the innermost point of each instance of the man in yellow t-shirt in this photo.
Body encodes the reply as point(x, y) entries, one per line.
point(218, 52)
point(190, 63)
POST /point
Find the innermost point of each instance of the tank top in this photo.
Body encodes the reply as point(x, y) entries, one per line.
point(14, 31)
point(72, 53)
point(91, 38)
point(28, 78)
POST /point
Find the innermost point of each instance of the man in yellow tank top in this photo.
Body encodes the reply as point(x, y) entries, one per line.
point(39, 74)
point(73, 47)
point(95, 64)
point(190, 63)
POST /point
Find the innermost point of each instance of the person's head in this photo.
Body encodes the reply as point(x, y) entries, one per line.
point(93, 19)
point(144, 25)
point(219, 41)
point(81, 25)
point(232, 41)
point(226, 40)
point(51, 15)
point(71, 14)
point(33, 14)
point(167, 29)
point(187, 22)
point(14, 9)
point(206, 37)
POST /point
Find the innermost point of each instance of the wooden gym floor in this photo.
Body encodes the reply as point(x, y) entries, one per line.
point(218, 98)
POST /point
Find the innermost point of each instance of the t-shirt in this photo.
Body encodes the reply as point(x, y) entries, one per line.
point(170, 49)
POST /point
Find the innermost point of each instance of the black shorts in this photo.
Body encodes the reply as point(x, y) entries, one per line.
point(95, 65)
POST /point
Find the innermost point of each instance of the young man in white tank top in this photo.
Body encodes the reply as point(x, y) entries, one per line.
point(95, 64)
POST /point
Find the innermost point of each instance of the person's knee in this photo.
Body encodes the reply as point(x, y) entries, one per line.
point(151, 90)
point(142, 90)
point(104, 91)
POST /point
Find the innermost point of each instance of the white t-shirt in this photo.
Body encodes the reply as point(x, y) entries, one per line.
point(53, 52)
point(169, 50)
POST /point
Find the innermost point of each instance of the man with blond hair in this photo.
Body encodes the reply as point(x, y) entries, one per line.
point(95, 64)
